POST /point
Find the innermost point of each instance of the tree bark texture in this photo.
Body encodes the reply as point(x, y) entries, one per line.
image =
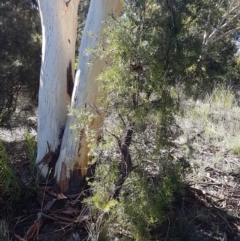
point(59, 28)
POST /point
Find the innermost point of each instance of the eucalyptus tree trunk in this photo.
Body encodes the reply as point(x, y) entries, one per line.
point(59, 29)
point(74, 152)
point(58, 90)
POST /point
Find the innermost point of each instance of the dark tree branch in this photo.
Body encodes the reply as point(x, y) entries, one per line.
point(125, 166)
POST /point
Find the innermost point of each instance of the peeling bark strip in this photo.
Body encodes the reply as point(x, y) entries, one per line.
point(70, 83)
point(125, 166)
point(51, 157)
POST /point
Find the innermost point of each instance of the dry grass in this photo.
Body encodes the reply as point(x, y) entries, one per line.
point(211, 143)
point(211, 129)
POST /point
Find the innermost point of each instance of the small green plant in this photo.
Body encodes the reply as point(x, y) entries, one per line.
point(30, 146)
point(30, 180)
point(8, 179)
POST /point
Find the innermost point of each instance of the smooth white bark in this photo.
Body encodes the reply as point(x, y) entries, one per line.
point(74, 151)
point(59, 28)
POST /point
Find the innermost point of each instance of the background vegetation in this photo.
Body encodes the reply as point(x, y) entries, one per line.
point(20, 54)
point(170, 140)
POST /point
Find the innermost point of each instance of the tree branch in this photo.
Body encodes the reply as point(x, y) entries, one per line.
point(125, 166)
point(224, 23)
point(225, 16)
point(225, 34)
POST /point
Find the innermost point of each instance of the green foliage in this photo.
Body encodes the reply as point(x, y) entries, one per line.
point(8, 180)
point(146, 206)
point(82, 119)
point(144, 200)
point(158, 47)
point(151, 49)
point(30, 146)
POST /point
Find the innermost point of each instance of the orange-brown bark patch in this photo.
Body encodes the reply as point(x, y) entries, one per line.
point(63, 182)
